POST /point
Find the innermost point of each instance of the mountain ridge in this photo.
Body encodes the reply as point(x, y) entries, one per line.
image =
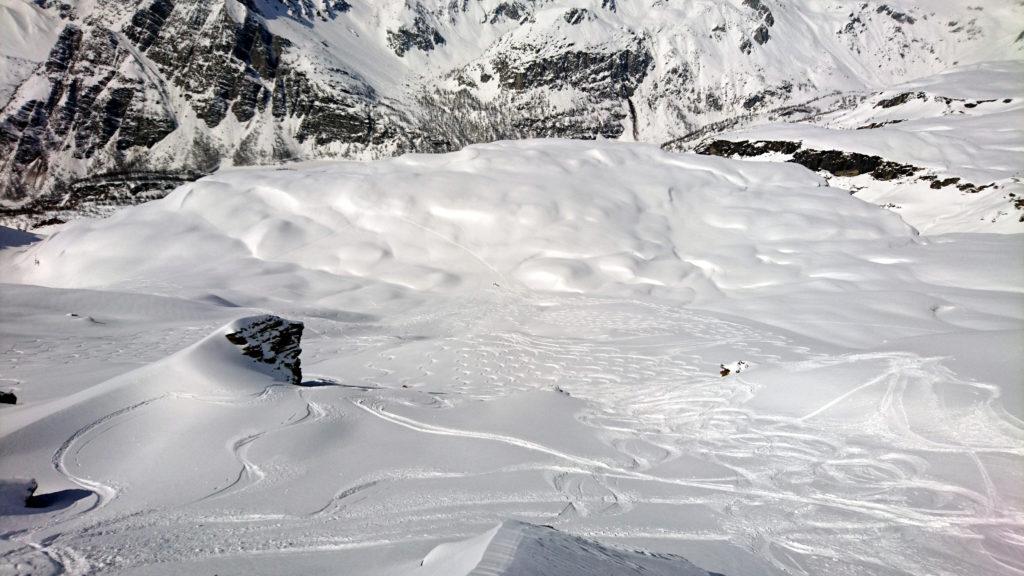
point(180, 86)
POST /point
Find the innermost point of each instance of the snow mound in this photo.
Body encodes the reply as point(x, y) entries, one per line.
point(519, 549)
point(213, 368)
point(548, 215)
point(187, 408)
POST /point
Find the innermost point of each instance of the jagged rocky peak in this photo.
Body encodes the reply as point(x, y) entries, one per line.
point(88, 99)
point(96, 108)
point(420, 33)
point(310, 9)
point(273, 342)
point(765, 20)
point(178, 87)
point(515, 11)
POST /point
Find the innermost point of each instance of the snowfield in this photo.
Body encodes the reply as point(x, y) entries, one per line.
point(512, 364)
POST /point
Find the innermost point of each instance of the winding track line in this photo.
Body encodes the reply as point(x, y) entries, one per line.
point(104, 493)
point(889, 513)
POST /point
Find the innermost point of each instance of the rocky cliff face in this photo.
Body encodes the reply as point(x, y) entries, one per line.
point(135, 96)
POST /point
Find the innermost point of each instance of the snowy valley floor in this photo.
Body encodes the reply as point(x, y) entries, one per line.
point(527, 331)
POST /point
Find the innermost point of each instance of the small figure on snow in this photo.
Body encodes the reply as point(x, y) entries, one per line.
point(736, 367)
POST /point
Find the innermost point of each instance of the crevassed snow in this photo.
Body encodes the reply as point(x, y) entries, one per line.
point(529, 331)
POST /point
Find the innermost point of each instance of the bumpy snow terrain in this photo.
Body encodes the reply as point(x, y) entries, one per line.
point(512, 360)
point(106, 102)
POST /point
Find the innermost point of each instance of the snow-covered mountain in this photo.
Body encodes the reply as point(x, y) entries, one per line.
point(121, 97)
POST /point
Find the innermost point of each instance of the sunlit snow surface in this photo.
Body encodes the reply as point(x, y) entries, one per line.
point(527, 331)
point(966, 124)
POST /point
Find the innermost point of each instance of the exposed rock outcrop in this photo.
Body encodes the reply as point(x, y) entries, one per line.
point(272, 341)
point(835, 162)
point(745, 148)
point(421, 34)
point(606, 74)
point(841, 163)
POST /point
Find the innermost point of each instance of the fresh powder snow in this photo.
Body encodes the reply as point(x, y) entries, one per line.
point(532, 357)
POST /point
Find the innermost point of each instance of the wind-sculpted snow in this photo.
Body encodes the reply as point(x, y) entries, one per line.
point(539, 215)
point(515, 335)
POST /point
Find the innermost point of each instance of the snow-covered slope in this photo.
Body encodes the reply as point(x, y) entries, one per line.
point(137, 95)
point(528, 331)
point(943, 151)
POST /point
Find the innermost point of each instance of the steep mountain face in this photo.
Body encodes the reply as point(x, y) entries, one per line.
point(110, 98)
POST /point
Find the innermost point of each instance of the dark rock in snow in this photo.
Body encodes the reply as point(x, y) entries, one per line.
point(576, 15)
point(839, 163)
point(900, 99)
point(747, 148)
point(609, 74)
point(901, 17)
point(8, 397)
point(271, 340)
point(420, 35)
point(937, 184)
point(509, 11)
point(835, 162)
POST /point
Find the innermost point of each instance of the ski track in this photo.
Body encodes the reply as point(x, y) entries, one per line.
point(105, 493)
point(251, 474)
point(660, 402)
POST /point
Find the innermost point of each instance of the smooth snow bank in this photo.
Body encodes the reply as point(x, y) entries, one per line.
point(560, 216)
point(520, 549)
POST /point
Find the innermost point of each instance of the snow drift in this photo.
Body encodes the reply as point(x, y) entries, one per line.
point(204, 387)
point(519, 549)
point(595, 218)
